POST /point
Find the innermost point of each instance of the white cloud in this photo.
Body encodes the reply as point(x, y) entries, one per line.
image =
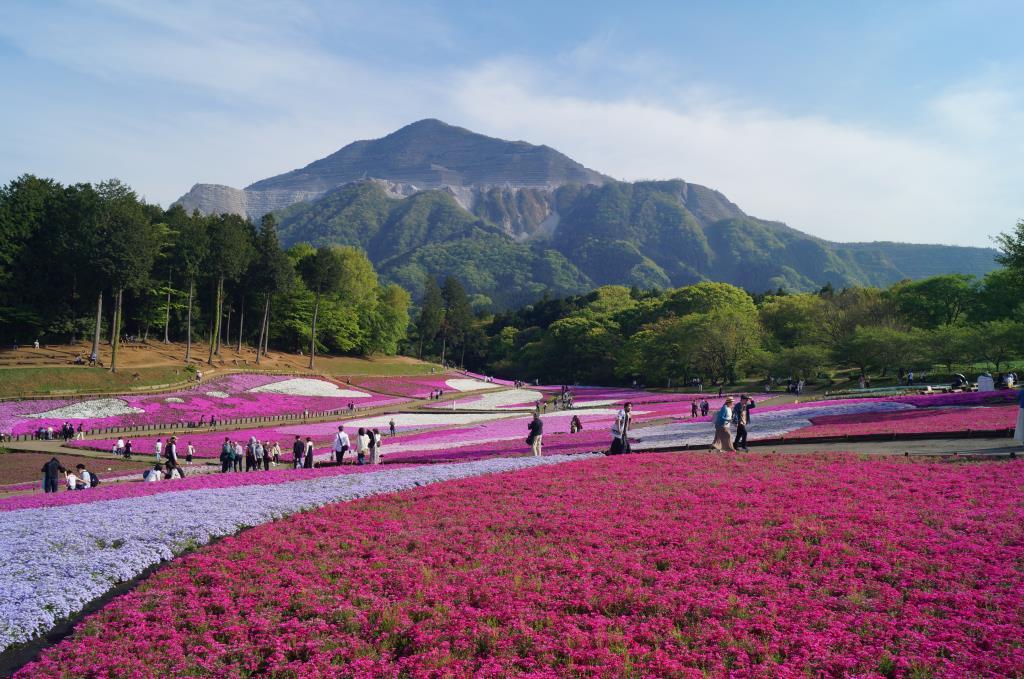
point(194, 92)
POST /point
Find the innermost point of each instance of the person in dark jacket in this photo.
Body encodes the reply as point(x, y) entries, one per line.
point(298, 451)
point(227, 456)
point(51, 473)
point(535, 439)
point(741, 416)
point(309, 454)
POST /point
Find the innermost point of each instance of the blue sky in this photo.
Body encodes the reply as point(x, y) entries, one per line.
point(851, 121)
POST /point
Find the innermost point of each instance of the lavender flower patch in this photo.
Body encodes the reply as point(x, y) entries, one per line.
point(58, 559)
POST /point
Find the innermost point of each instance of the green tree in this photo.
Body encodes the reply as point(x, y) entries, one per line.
point(458, 315)
point(129, 246)
point(428, 324)
point(322, 273)
point(794, 320)
point(800, 362)
point(230, 251)
point(273, 273)
point(191, 249)
point(997, 341)
point(949, 345)
point(935, 301)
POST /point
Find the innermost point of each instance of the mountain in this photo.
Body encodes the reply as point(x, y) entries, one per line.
point(513, 220)
point(427, 154)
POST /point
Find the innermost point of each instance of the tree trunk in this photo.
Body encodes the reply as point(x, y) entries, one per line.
point(312, 333)
point(188, 323)
point(116, 334)
point(263, 329)
point(99, 322)
point(241, 321)
point(167, 316)
point(227, 327)
point(444, 345)
point(266, 338)
point(215, 331)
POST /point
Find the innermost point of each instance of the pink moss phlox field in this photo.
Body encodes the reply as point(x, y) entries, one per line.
point(920, 421)
point(665, 565)
point(232, 399)
point(418, 386)
point(205, 481)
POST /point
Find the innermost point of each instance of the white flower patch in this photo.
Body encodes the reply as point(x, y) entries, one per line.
point(305, 386)
point(463, 384)
point(100, 408)
point(57, 559)
point(218, 394)
point(767, 425)
point(510, 399)
point(174, 399)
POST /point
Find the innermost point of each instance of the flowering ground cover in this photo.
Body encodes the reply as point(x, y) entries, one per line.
point(667, 565)
point(232, 396)
point(417, 386)
point(207, 444)
point(57, 560)
point(941, 420)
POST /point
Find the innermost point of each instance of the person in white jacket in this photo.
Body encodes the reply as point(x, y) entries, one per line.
point(341, 445)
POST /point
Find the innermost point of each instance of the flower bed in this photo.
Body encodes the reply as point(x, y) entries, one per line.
point(640, 566)
point(919, 421)
point(229, 397)
point(409, 386)
point(57, 560)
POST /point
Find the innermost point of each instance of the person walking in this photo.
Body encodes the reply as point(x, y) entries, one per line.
point(341, 444)
point(308, 463)
point(298, 450)
point(742, 418)
point(276, 451)
point(158, 450)
point(536, 438)
point(236, 456)
point(172, 451)
point(119, 448)
point(694, 408)
point(189, 452)
point(723, 440)
point(620, 430)
point(266, 456)
point(128, 449)
point(51, 475)
point(391, 426)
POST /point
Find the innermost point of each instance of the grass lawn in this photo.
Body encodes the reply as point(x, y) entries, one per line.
point(45, 379)
point(18, 467)
point(382, 365)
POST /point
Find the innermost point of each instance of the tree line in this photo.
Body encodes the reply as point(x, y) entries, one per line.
point(720, 334)
point(96, 261)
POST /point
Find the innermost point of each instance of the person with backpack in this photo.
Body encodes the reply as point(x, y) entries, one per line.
point(723, 441)
point(84, 477)
point(227, 454)
point(620, 431)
